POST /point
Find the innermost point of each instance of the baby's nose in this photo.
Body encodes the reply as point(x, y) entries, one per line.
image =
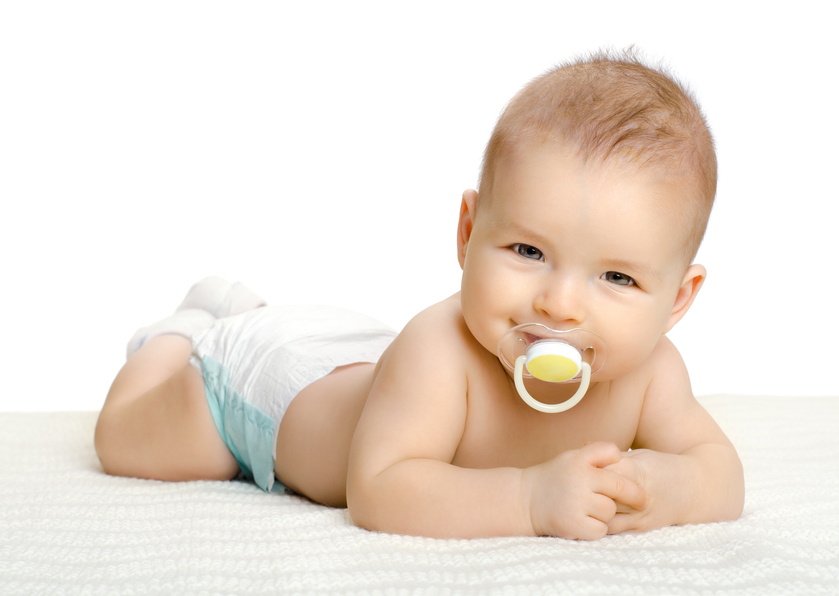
point(563, 300)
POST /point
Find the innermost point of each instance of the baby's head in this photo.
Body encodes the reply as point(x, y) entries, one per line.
point(613, 109)
point(596, 189)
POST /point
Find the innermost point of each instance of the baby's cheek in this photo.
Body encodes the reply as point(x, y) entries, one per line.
point(626, 356)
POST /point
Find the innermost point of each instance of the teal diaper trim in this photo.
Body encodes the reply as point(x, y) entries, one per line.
point(246, 430)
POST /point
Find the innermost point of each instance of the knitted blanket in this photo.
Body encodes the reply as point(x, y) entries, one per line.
point(67, 528)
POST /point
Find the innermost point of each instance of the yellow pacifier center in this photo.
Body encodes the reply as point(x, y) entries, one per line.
point(551, 367)
point(553, 361)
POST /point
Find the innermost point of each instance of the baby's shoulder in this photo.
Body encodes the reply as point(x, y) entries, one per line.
point(663, 367)
point(665, 359)
point(440, 328)
point(427, 355)
point(438, 336)
point(663, 373)
point(441, 320)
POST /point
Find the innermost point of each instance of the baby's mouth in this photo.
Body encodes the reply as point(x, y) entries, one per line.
point(531, 338)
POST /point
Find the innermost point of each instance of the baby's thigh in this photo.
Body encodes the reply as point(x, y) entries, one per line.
point(165, 434)
point(313, 442)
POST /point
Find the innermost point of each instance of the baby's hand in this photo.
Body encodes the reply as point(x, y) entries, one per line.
point(574, 496)
point(647, 469)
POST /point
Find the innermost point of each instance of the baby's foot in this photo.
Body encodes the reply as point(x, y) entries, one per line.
point(184, 322)
point(210, 299)
point(221, 298)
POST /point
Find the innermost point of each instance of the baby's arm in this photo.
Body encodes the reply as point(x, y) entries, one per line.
point(401, 479)
point(680, 456)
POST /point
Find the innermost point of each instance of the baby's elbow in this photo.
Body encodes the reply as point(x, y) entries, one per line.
point(732, 507)
point(358, 515)
point(739, 494)
point(370, 505)
point(104, 443)
point(720, 487)
point(735, 492)
point(359, 505)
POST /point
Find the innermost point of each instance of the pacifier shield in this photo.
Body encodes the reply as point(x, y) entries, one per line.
point(552, 355)
point(534, 351)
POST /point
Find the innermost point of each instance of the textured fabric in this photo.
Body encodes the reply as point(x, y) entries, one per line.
point(67, 528)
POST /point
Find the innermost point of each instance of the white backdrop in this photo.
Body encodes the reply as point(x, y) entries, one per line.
point(317, 151)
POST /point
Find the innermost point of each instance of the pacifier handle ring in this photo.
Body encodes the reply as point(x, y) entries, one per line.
point(550, 408)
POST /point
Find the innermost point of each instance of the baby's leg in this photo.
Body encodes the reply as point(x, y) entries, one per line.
point(156, 422)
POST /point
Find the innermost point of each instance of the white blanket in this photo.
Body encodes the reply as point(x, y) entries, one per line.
point(67, 528)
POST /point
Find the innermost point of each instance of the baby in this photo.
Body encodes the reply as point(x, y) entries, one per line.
point(595, 192)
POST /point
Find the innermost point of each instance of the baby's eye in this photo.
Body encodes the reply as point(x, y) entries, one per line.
point(528, 252)
point(619, 279)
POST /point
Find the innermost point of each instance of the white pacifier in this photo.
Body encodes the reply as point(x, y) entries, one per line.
point(534, 351)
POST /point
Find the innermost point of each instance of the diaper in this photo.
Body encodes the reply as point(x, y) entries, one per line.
point(256, 362)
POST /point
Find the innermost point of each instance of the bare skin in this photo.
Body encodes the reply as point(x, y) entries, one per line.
point(489, 441)
point(313, 444)
point(567, 243)
point(156, 422)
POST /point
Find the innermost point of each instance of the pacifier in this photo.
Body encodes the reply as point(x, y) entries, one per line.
point(534, 351)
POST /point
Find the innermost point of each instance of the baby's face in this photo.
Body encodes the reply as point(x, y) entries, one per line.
point(569, 244)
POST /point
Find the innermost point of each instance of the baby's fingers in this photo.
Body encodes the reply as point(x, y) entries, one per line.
point(621, 523)
point(601, 454)
point(602, 508)
point(621, 508)
point(629, 467)
point(622, 490)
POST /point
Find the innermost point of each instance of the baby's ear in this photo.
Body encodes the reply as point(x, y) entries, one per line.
point(691, 282)
point(465, 223)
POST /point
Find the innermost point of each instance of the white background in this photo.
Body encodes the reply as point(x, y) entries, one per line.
point(317, 151)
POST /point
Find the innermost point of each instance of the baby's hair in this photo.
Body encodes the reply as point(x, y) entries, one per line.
point(612, 106)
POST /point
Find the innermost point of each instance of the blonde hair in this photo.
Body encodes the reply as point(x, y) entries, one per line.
point(613, 106)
